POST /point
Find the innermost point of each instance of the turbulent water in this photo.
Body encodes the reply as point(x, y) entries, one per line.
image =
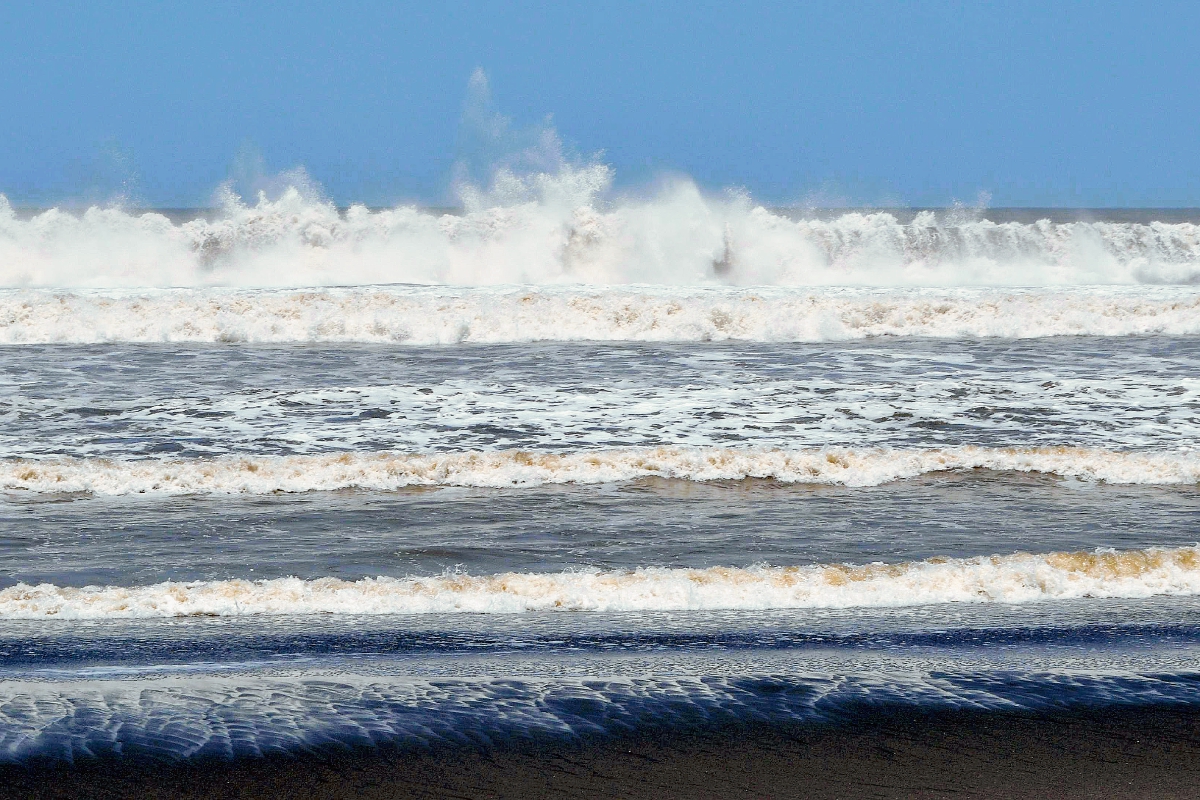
point(282, 476)
point(555, 230)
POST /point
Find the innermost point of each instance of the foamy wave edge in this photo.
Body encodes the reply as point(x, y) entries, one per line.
point(515, 468)
point(444, 315)
point(1017, 578)
point(553, 227)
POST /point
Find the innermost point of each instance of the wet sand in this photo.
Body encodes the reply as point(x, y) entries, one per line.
point(1114, 753)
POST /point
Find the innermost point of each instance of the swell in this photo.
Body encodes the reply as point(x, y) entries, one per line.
point(518, 468)
point(433, 316)
point(1013, 579)
point(559, 232)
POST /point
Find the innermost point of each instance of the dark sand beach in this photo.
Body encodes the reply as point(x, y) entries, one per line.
point(1113, 753)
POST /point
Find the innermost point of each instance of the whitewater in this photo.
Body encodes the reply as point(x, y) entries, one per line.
point(500, 469)
point(567, 227)
point(279, 475)
point(459, 315)
point(561, 257)
point(1019, 578)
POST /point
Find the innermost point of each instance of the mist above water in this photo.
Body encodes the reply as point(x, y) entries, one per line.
point(565, 227)
point(532, 213)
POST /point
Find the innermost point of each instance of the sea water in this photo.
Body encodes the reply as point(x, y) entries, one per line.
point(284, 476)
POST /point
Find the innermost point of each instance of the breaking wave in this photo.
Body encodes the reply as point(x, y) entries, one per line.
point(499, 469)
point(1017, 578)
point(553, 228)
point(431, 316)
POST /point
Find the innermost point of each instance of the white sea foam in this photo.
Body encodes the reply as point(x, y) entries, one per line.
point(499, 469)
point(553, 227)
point(590, 405)
point(1017, 578)
point(430, 316)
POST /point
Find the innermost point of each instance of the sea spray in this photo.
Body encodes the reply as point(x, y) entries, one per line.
point(552, 228)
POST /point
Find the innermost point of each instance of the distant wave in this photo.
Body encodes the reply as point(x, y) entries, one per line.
point(552, 229)
point(431, 316)
point(499, 469)
point(1018, 578)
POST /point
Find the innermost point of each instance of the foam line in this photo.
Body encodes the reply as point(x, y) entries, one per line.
point(438, 316)
point(509, 468)
point(1017, 578)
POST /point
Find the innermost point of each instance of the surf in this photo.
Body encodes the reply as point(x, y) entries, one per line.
point(421, 316)
point(507, 469)
point(569, 227)
point(1011, 579)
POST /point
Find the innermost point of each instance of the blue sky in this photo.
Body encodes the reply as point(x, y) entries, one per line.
point(918, 103)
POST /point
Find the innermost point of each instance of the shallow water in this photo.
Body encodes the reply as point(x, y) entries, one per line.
point(288, 546)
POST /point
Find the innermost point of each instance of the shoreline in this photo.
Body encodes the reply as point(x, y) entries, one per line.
point(1115, 752)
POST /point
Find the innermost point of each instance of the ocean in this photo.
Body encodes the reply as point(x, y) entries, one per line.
point(705, 497)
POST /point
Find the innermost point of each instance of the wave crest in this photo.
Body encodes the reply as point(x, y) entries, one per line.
point(500, 469)
point(1017, 578)
point(555, 231)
